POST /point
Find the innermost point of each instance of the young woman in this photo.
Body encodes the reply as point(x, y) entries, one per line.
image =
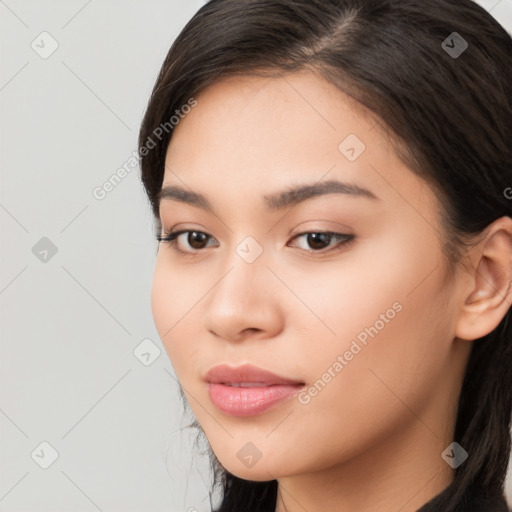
point(331, 182)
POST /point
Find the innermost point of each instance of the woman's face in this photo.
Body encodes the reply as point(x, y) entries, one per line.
point(361, 324)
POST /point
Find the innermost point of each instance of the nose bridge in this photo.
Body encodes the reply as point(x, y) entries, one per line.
point(241, 299)
point(246, 268)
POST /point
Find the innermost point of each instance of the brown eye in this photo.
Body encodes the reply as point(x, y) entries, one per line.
point(316, 241)
point(196, 239)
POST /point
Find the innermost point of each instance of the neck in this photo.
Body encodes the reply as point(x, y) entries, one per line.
point(400, 474)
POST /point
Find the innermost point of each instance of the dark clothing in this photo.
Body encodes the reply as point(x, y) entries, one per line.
point(472, 502)
point(262, 497)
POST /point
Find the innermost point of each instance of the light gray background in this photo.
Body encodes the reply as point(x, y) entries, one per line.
point(70, 324)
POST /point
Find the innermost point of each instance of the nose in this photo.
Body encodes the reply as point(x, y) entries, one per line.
point(245, 303)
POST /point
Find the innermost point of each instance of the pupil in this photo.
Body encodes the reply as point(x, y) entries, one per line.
point(199, 238)
point(315, 238)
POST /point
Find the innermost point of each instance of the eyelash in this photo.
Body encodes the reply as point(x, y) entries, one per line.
point(170, 238)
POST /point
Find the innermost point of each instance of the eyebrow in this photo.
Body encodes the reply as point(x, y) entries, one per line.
point(278, 201)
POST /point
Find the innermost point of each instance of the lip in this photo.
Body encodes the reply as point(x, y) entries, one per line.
point(248, 390)
point(226, 374)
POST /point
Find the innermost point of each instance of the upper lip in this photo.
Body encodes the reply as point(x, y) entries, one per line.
point(226, 374)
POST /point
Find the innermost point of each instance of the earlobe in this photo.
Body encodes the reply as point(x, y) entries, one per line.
point(490, 294)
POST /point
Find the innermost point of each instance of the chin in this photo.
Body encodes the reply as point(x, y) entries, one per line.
point(261, 471)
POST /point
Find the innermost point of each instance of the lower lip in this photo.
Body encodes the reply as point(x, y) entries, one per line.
point(249, 401)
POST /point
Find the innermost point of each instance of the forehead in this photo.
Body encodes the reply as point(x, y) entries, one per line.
point(280, 123)
point(271, 103)
point(250, 136)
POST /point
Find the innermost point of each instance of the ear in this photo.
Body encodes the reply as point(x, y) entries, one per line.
point(488, 295)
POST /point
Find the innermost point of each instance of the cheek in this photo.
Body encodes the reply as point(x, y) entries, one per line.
point(393, 347)
point(341, 300)
point(161, 300)
point(392, 329)
point(171, 302)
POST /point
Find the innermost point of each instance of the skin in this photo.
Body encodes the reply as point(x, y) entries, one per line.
point(372, 438)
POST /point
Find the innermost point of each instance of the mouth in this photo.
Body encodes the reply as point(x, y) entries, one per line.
point(247, 384)
point(246, 375)
point(248, 390)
